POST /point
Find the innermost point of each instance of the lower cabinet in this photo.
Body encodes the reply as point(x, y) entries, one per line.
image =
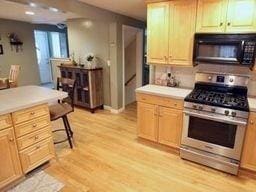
point(170, 126)
point(10, 168)
point(159, 123)
point(249, 150)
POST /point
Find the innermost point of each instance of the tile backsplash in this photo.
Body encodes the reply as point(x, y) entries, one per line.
point(186, 75)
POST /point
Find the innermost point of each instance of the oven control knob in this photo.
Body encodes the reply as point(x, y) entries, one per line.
point(231, 80)
point(200, 108)
point(210, 78)
point(226, 112)
point(233, 114)
point(213, 110)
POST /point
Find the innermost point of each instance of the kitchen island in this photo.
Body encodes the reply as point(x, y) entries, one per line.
point(25, 130)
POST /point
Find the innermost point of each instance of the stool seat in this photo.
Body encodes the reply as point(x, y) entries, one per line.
point(59, 110)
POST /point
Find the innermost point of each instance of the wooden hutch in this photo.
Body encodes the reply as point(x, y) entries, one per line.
point(89, 89)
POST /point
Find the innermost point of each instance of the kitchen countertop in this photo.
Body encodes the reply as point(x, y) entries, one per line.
point(252, 104)
point(176, 93)
point(19, 98)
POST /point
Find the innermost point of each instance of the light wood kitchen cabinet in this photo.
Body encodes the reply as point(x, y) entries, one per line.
point(211, 16)
point(171, 32)
point(226, 16)
point(241, 16)
point(157, 33)
point(160, 119)
point(182, 18)
point(147, 121)
point(10, 168)
point(249, 150)
point(170, 126)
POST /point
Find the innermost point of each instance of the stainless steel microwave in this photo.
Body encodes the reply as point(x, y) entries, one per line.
point(231, 49)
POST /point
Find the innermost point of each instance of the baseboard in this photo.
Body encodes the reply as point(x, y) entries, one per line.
point(115, 111)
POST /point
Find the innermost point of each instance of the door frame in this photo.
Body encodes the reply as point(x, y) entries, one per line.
point(139, 58)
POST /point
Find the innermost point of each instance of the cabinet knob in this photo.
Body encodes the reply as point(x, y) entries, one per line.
point(221, 24)
point(229, 23)
point(35, 125)
point(38, 147)
point(36, 137)
point(11, 139)
point(251, 122)
point(32, 113)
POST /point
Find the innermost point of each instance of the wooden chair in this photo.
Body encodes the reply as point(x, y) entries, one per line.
point(13, 76)
point(64, 107)
point(4, 84)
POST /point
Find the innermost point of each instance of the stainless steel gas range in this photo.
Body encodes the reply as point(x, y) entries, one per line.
point(215, 119)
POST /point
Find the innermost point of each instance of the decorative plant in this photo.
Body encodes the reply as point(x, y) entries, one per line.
point(90, 57)
point(14, 38)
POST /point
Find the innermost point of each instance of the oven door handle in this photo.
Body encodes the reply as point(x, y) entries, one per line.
point(219, 119)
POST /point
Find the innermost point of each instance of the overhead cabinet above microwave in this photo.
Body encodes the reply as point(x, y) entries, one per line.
point(173, 24)
point(230, 16)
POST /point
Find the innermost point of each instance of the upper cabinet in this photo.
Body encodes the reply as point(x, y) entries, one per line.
point(171, 28)
point(241, 16)
point(182, 17)
point(157, 32)
point(211, 16)
point(226, 16)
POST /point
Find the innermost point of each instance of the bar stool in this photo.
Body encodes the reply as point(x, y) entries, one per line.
point(4, 84)
point(64, 107)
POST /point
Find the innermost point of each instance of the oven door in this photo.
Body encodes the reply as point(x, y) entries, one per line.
point(217, 134)
point(215, 51)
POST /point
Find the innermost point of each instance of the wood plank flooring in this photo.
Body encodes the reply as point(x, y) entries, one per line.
point(108, 157)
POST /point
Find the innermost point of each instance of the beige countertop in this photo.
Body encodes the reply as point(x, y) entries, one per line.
point(252, 104)
point(176, 93)
point(15, 99)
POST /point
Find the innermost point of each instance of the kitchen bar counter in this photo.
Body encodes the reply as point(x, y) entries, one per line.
point(175, 93)
point(19, 98)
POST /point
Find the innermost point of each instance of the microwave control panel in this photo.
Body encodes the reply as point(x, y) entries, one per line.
point(249, 52)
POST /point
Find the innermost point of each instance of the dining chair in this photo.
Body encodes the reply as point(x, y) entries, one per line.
point(64, 107)
point(4, 84)
point(14, 74)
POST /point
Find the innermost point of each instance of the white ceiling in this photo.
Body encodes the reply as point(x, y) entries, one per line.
point(16, 11)
point(133, 8)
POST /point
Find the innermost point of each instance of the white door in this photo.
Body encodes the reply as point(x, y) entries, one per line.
point(43, 56)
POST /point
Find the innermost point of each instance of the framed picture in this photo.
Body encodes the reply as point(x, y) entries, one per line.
point(1, 50)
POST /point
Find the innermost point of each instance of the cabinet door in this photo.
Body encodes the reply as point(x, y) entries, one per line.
point(241, 16)
point(10, 168)
point(147, 121)
point(181, 29)
point(211, 16)
point(170, 126)
point(249, 150)
point(157, 33)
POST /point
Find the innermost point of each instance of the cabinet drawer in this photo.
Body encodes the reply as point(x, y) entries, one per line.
point(5, 121)
point(34, 138)
point(29, 114)
point(162, 101)
point(31, 126)
point(36, 155)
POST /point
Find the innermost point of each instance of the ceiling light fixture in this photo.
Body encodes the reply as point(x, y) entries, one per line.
point(32, 4)
point(53, 9)
point(29, 13)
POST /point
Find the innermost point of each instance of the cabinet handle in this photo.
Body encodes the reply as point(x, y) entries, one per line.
point(229, 23)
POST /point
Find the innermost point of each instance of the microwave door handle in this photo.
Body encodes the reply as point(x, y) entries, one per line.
point(241, 55)
point(223, 119)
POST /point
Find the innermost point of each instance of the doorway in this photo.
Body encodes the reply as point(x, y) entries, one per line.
point(49, 45)
point(133, 49)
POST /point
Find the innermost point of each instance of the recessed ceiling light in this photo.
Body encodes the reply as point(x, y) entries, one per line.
point(29, 13)
point(32, 4)
point(53, 9)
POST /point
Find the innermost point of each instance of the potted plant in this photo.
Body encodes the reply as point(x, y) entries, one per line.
point(90, 60)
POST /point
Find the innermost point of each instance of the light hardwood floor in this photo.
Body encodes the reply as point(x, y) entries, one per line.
point(108, 157)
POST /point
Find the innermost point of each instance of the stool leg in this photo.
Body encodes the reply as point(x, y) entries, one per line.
point(69, 128)
point(67, 131)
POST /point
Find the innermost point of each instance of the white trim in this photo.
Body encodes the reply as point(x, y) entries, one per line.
point(115, 111)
